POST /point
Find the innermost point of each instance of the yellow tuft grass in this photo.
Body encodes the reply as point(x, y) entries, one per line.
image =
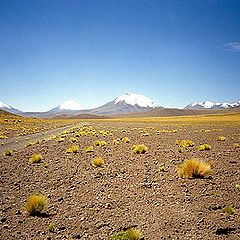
point(186, 143)
point(204, 147)
point(36, 158)
point(139, 149)
point(35, 204)
point(193, 168)
point(221, 138)
point(126, 140)
point(7, 153)
point(89, 149)
point(98, 162)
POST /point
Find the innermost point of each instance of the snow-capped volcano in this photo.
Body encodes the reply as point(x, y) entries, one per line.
point(212, 105)
point(67, 106)
point(136, 99)
point(70, 105)
point(126, 103)
point(5, 107)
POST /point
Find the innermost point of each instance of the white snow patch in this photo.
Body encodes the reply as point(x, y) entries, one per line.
point(136, 99)
point(4, 105)
point(70, 105)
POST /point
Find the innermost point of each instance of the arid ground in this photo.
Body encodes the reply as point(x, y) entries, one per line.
point(129, 190)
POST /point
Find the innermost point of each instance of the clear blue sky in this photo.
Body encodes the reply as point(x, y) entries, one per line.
point(174, 52)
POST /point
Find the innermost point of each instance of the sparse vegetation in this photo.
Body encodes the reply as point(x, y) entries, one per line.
point(51, 227)
point(221, 138)
point(72, 139)
point(193, 168)
point(98, 162)
point(186, 143)
point(36, 158)
point(229, 209)
point(73, 149)
point(204, 147)
point(126, 140)
point(89, 149)
point(35, 204)
point(139, 149)
point(129, 234)
point(7, 153)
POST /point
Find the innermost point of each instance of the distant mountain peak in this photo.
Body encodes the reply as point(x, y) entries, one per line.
point(70, 105)
point(6, 107)
point(136, 99)
point(212, 105)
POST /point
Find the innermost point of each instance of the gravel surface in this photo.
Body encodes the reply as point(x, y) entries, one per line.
point(130, 190)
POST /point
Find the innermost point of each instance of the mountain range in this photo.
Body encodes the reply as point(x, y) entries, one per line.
point(212, 105)
point(128, 103)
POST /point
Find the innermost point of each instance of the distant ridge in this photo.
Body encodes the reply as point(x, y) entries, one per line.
point(212, 105)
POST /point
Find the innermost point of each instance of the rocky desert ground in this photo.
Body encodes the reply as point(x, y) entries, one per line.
point(142, 191)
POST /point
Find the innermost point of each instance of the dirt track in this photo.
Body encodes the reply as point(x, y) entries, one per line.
point(130, 190)
point(20, 141)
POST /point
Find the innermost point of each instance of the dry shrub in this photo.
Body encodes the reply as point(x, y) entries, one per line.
point(139, 149)
point(193, 168)
point(129, 234)
point(36, 158)
point(35, 204)
point(7, 153)
point(204, 147)
point(186, 143)
point(98, 162)
point(89, 149)
point(126, 140)
point(221, 138)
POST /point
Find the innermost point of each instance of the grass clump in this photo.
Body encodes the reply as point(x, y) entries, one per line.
point(236, 145)
point(221, 138)
point(204, 147)
point(193, 168)
point(98, 162)
point(7, 153)
point(89, 149)
point(72, 139)
point(35, 204)
point(186, 143)
point(61, 139)
point(139, 149)
point(73, 149)
point(28, 144)
point(229, 210)
point(129, 234)
point(115, 142)
point(51, 227)
point(36, 158)
point(237, 186)
point(126, 139)
point(97, 143)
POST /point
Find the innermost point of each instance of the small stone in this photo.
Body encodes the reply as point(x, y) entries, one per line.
point(3, 219)
point(76, 236)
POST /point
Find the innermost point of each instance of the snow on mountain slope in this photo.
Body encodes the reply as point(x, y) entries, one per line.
point(70, 105)
point(6, 107)
point(136, 99)
point(212, 105)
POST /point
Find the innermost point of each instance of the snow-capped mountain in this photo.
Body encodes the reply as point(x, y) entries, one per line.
point(5, 107)
point(212, 105)
point(136, 99)
point(126, 103)
point(67, 106)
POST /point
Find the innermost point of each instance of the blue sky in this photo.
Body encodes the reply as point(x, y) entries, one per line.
point(174, 52)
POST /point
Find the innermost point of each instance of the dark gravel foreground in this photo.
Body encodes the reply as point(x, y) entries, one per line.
point(130, 190)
